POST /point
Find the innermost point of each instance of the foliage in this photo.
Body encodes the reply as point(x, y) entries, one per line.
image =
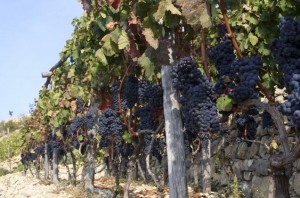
point(3, 171)
point(13, 144)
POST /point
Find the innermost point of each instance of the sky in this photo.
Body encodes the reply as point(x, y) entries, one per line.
point(32, 33)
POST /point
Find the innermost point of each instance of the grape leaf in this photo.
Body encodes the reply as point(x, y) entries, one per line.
point(165, 5)
point(149, 36)
point(253, 39)
point(224, 103)
point(147, 64)
point(101, 57)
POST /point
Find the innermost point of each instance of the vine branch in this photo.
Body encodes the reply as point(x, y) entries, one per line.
point(203, 54)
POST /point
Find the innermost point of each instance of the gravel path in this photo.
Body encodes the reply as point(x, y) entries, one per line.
point(17, 186)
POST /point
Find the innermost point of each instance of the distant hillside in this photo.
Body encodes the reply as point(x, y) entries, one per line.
point(13, 124)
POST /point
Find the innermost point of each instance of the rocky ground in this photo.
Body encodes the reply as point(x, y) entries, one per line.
point(15, 185)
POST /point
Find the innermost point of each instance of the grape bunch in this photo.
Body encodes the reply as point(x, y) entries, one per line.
point(223, 56)
point(110, 128)
point(79, 105)
point(243, 92)
point(198, 108)
point(131, 91)
point(155, 96)
point(267, 121)
point(115, 101)
point(84, 122)
point(146, 118)
point(142, 89)
point(248, 70)
point(286, 50)
point(185, 74)
point(246, 126)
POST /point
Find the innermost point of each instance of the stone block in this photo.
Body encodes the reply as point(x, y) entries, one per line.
point(242, 150)
point(263, 187)
point(262, 167)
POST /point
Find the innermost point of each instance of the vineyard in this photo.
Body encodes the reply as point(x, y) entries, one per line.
point(180, 95)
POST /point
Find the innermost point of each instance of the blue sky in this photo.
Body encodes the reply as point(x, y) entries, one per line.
point(32, 33)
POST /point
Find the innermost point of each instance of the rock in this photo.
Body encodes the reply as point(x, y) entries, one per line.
point(217, 145)
point(246, 189)
point(252, 151)
point(237, 169)
point(242, 150)
point(262, 167)
point(297, 164)
point(230, 151)
point(224, 178)
point(247, 175)
point(296, 183)
point(262, 149)
point(263, 187)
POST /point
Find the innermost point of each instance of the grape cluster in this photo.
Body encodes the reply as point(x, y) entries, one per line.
point(199, 110)
point(243, 92)
point(246, 126)
point(110, 128)
point(222, 31)
point(131, 90)
point(142, 89)
point(223, 56)
point(28, 157)
point(185, 74)
point(115, 101)
point(267, 121)
point(286, 50)
point(248, 70)
point(110, 123)
point(79, 105)
point(155, 96)
point(85, 122)
point(146, 118)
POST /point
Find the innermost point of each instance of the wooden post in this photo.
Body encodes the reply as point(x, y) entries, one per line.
point(206, 170)
point(174, 138)
point(55, 166)
point(89, 169)
point(8, 149)
point(46, 162)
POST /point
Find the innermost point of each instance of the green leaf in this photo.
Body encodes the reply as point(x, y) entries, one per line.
point(165, 5)
point(153, 42)
point(109, 47)
point(253, 39)
point(224, 103)
point(101, 57)
point(71, 72)
point(80, 138)
point(126, 137)
point(266, 81)
point(123, 40)
point(147, 64)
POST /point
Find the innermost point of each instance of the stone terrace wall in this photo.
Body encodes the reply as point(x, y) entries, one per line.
point(250, 163)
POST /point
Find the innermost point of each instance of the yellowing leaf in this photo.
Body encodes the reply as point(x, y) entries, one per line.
point(165, 5)
point(123, 40)
point(101, 57)
point(253, 39)
point(274, 144)
point(148, 33)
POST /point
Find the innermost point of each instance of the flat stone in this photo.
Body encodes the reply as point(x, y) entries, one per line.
point(246, 189)
point(262, 167)
point(263, 187)
point(242, 150)
point(252, 151)
point(296, 184)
